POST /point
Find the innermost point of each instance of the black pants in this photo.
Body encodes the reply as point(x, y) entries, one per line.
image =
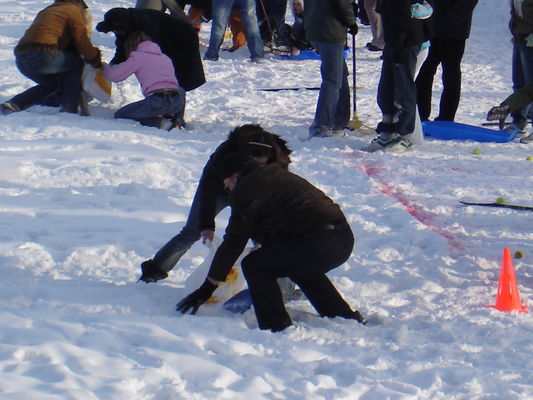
point(449, 53)
point(305, 260)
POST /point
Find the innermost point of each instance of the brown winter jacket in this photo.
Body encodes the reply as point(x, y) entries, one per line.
point(270, 204)
point(60, 26)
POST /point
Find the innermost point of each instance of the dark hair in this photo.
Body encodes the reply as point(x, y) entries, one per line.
point(260, 144)
point(234, 162)
point(133, 40)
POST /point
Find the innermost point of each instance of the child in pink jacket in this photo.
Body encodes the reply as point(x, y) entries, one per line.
point(164, 103)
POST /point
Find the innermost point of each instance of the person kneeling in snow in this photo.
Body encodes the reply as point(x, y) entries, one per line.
point(302, 232)
point(164, 102)
point(522, 97)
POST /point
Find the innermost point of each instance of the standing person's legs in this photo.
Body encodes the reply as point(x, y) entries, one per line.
point(246, 9)
point(305, 260)
point(333, 70)
point(342, 113)
point(170, 254)
point(376, 27)
point(522, 71)
point(424, 79)
point(451, 79)
point(405, 90)
point(385, 93)
point(221, 13)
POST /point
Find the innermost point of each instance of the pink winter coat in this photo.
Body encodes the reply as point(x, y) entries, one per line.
point(153, 69)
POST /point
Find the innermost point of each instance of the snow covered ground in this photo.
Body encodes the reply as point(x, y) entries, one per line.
point(84, 200)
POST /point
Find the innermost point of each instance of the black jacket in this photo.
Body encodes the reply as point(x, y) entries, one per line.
point(327, 20)
point(211, 186)
point(271, 204)
point(174, 34)
point(452, 19)
point(521, 24)
point(399, 28)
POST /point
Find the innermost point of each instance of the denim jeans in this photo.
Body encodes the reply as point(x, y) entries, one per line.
point(397, 89)
point(169, 255)
point(333, 106)
point(149, 111)
point(305, 260)
point(522, 71)
point(221, 13)
point(54, 72)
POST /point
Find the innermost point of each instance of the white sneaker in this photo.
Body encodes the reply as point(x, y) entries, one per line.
point(518, 132)
point(398, 145)
point(527, 139)
point(377, 144)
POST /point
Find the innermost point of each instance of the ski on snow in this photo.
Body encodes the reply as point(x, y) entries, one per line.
point(501, 205)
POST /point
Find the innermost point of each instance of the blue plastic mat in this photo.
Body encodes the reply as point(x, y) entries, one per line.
point(311, 55)
point(447, 130)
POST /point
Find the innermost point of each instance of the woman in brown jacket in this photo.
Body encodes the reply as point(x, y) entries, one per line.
point(51, 53)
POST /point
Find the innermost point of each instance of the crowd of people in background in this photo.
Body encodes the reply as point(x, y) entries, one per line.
point(287, 216)
point(53, 55)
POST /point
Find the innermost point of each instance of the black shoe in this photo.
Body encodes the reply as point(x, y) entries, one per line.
point(358, 317)
point(371, 47)
point(151, 273)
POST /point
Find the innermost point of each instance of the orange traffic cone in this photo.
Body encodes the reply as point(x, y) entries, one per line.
point(508, 298)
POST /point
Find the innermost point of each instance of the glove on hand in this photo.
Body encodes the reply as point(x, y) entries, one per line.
point(196, 298)
point(499, 112)
point(352, 30)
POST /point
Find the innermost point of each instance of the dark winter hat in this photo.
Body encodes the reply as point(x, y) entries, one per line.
point(233, 163)
point(115, 19)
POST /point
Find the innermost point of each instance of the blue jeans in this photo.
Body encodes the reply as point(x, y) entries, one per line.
point(522, 75)
point(54, 72)
point(397, 89)
point(333, 106)
point(150, 110)
point(221, 13)
point(171, 253)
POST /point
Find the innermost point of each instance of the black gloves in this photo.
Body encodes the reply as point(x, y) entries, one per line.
point(196, 298)
point(352, 30)
point(399, 56)
point(151, 273)
point(499, 112)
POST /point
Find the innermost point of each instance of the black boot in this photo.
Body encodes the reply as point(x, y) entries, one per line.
point(151, 273)
point(358, 317)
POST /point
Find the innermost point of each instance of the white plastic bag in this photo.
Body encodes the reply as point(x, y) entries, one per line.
point(234, 283)
point(95, 84)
